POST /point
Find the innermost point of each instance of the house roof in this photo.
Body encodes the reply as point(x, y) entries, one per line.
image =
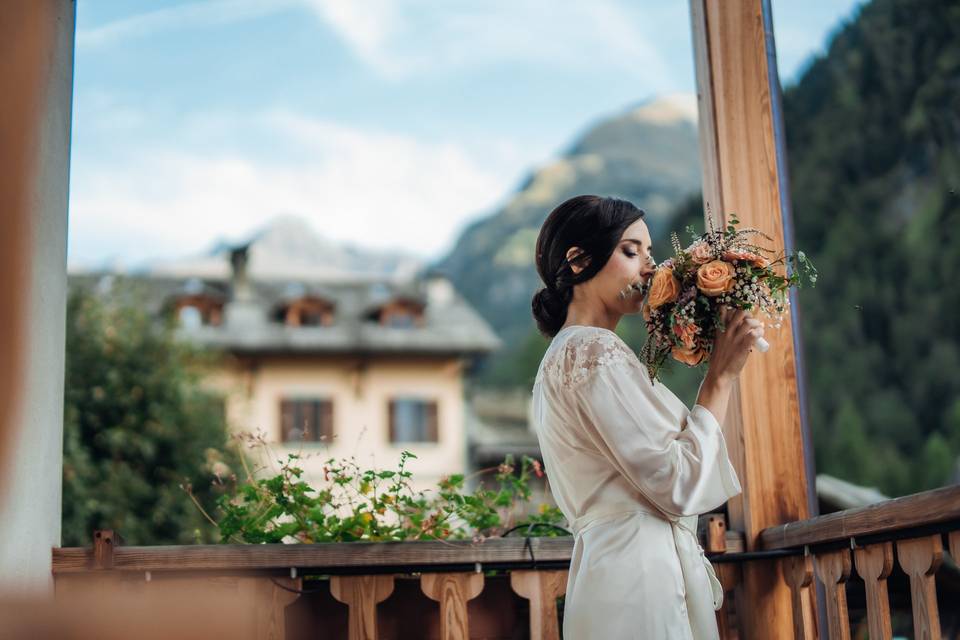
point(451, 326)
point(839, 495)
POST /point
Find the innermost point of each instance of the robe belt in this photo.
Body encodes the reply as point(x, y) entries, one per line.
point(684, 537)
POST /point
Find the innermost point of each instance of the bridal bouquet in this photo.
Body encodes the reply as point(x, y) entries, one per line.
point(721, 267)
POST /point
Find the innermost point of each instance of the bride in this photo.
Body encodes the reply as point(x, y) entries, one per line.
point(629, 464)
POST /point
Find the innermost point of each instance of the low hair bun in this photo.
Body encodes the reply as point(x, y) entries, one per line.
point(549, 308)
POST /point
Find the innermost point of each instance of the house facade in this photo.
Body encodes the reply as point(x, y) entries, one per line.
point(363, 368)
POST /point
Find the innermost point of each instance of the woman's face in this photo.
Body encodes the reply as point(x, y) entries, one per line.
point(630, 263)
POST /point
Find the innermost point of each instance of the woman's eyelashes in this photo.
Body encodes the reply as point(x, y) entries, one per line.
point(630, 254)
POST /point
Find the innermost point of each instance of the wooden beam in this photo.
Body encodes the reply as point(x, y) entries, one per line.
point(333, 557)
point(740, 149)
point(920, 509)
point(372, 557)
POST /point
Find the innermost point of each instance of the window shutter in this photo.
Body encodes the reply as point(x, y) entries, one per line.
point(325, 423)
point(287, 417)
point(432, 426)
point(391, 419)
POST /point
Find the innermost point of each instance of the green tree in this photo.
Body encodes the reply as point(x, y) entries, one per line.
point(874, 171)
point(937, 463)
point(137, 425)
point(847, 450)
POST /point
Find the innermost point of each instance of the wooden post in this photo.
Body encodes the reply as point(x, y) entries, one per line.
point(716, 531)
point(743, 164)
point(104, 542)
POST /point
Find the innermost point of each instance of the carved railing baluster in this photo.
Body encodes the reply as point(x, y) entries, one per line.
point(874, 564)
point(362, 594)
point(920, 558)
point(541, 588)
point(833, 570)
point(798, 574)
point(452, 591)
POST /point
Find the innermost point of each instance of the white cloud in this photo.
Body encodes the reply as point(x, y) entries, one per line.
point(206, 13)
point(378, 189)
point(403, 38)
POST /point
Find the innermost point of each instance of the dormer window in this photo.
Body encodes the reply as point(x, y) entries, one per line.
point(306, 311)
point(400, 320)
point(198, 305)
point(399, 313)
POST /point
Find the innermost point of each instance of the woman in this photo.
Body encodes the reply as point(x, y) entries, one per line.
point(629, 465)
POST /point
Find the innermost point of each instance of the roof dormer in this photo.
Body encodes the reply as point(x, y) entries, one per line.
point(399, 312)
point(198, 304)
point(301, 308)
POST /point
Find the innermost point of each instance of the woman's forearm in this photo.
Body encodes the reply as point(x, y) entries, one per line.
point(714, 395)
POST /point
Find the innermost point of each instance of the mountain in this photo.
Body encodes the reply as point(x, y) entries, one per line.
point(288, 247)
point(647, 155)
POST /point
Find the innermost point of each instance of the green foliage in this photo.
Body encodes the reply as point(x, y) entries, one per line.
point(358, 504)
point(872, 141)
point(137, 425)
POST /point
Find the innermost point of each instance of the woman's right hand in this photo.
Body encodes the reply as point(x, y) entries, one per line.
point(734, 343)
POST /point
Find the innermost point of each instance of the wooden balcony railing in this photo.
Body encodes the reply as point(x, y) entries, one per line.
point(376, 590)
point(363, 576)
point(913, 529)
point(359, 575)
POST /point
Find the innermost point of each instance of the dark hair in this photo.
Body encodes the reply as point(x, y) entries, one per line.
point(593, 223)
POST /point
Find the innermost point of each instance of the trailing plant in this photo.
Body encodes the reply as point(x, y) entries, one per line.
point(360, 504)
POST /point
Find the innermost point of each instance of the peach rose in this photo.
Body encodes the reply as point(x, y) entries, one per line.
point(700, 252)
point(691, 357)
point(645, 310)
point(715, 278)
point(747, 256)
point(664, 288)
point(687, 333)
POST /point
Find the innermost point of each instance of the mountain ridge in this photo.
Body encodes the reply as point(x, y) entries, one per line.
point(647, 153)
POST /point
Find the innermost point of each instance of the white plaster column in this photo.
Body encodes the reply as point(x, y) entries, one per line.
point(36, 82)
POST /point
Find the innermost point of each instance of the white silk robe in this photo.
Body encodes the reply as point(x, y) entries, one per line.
point(631, 467)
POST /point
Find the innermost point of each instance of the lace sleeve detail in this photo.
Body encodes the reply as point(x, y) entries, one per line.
point(584, 353)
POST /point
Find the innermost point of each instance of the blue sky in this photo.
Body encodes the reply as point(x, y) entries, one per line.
point(386, 123)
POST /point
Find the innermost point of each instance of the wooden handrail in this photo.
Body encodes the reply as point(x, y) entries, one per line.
point(332, 557)
point(920, 509)
point(340, 557)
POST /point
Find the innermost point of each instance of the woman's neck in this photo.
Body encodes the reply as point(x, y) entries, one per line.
point(591, 318)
